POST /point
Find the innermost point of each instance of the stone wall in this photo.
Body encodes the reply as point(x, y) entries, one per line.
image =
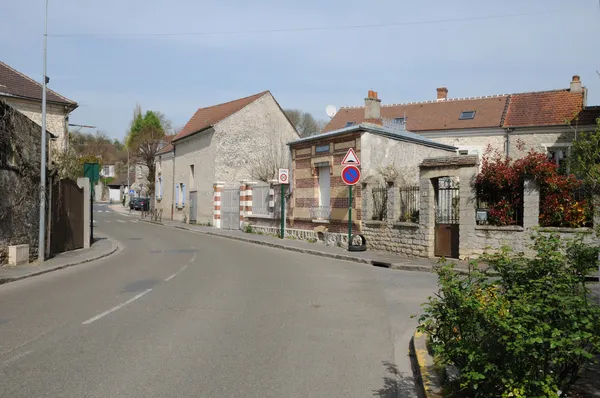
point(164, 170)
point(408, 239)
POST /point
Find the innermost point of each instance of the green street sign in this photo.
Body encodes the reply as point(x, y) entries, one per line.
point(91, 171)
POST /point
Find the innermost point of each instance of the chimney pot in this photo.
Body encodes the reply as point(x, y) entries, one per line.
point(576, 86)
point(442, 94)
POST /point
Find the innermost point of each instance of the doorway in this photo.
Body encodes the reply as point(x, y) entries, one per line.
point(447, 216)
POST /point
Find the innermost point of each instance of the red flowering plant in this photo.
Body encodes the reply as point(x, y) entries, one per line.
point(500, 185)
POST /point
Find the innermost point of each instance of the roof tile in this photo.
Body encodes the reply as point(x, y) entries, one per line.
point(207, 117)
point(14, 83)
point(543, 108)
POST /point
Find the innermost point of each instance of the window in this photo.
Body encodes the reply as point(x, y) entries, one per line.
point(466, 115)
point(399, 120)
point(559, 155)
point(106, 171)
point(348, 124)
point(463, 152)
point(322, 148)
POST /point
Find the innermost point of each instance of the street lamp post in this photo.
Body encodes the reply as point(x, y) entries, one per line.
point(42, 235)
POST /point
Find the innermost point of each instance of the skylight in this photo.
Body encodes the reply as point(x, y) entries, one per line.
point(466, 115)
point(399, 120)
point(348, 124)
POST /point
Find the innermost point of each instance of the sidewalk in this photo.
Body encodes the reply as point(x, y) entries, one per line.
point(377, 258)
point(101, 248)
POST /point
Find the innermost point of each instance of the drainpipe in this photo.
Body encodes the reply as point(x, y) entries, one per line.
point(173, 186)
point(508, 131)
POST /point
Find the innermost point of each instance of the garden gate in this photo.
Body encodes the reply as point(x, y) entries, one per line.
point(230, 208)
point(447, 217)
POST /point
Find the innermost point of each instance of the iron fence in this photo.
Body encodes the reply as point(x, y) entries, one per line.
point(380, 198)
point(409, 198)
point(499, 208)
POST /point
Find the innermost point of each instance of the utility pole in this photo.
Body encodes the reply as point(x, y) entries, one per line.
point(42, 235)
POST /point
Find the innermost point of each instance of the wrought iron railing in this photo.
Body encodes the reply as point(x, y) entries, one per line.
point(320, 212)
point(380, 198)
point(409, 204)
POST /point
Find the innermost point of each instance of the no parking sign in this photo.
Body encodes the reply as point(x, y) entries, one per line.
point(284, 176)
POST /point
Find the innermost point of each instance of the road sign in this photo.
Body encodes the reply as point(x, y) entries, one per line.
point(284, 176)
point(131, 192)
point(351, 158)
point(351, 175)
point(91, 171)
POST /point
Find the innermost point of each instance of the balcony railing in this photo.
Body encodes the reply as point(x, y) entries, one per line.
point(320, 212)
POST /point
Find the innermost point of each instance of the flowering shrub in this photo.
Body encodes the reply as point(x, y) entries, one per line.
point(500, 184)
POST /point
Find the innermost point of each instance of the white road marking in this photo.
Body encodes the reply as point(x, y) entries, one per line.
point(116, 307)
point(106, 221)
point(120, 221)
point(193, 258)
point(133, 220)
point(176, 273)
point(107, 211)
point(17, 357)
point(95, 221)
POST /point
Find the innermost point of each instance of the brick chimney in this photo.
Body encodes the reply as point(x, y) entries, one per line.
point(442, 94)
point(373, 109)
point(576, 85)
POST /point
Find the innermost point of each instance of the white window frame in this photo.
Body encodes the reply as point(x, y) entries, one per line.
point(558, 146)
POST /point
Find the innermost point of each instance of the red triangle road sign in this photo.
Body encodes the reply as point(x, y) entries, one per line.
point(351, 158)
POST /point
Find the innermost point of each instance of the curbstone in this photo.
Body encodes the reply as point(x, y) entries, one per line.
point(9, 279)
point(426, 377)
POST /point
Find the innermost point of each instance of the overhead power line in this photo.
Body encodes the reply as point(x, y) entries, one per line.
point(302, 29)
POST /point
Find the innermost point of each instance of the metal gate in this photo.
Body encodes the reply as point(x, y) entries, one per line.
point(230, 208)
point(66, 231)
point(447, 219)
point(193, 206)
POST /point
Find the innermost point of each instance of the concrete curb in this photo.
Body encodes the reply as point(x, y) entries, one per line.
point(426, 377)
point(114, 247)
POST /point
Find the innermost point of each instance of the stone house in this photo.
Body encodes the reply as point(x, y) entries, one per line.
point(25, 95)
point(222, 144)
point(388, 154)
point(545, 121)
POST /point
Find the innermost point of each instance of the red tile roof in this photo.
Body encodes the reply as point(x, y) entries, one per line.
point(15, 84)
point(589, 116)
point(543, 108)
point(168, 147)
point(208, 117)
point(433, 115)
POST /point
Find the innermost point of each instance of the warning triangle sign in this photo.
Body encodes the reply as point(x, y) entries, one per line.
point(351, 158)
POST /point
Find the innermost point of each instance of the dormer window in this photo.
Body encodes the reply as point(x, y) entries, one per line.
point(348, 124)
point(399, 120)
point(467, 115)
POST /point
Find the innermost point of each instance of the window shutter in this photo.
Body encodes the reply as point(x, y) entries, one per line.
point(177, 196)
point(156, 187)
point(161, 187)
point(183, 196)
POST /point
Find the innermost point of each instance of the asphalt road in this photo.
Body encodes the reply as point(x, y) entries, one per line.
point(177, 314)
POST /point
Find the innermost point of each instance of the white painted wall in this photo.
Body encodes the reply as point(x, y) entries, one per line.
point(197, 150)
point(378, 151)
point(164, 169)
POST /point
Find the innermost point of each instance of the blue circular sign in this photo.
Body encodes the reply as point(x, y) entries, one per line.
point(351, 175)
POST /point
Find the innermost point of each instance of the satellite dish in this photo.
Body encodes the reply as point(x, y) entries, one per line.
point(330, 110)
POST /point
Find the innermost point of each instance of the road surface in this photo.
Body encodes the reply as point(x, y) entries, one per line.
point(177, 314)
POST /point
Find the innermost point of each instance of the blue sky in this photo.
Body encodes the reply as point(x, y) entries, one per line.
point(107, 63)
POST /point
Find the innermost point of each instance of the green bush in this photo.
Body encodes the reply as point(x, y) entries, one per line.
point(248, 229)
point(525, 333)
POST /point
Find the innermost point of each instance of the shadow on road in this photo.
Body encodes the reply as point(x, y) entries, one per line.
point(395, 384)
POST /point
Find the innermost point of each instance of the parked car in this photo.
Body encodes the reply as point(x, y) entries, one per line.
point(139, 204)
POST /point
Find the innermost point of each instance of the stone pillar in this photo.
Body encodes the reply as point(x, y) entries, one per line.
point(366, 201)
point(217, 188)
point(249, 185)
point(393, 202)
point(242, 203)
point(531, 203)
point(427, 213)
point(272, 197)
point(84, 183)
point(467, 205)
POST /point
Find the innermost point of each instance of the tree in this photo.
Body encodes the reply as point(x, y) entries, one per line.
point(144, 146)
point(585, 158)
point(151, 119)
point(304, 122)
point(265, 166)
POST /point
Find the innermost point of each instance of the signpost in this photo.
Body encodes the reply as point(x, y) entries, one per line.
point(131, 192)
point(350, 176)
point(91, 171)
point(284, 179)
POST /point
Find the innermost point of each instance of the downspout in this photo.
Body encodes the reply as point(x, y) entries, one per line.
point(173, 185)
point(508, 131)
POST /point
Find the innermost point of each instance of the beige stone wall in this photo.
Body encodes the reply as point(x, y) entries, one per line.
point(56, 118)
point(199, 151)
point(475, 142)
point(539, 140)
point(164, 169)
point(250, 138)
point(378, 151)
